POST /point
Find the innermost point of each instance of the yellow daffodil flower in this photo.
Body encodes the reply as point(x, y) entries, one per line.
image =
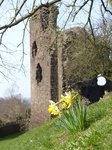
point(68, 99)
point(53, 109)
point(50, 109)
point(64, 105)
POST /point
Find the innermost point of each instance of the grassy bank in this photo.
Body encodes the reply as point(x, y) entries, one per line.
point(97, 135)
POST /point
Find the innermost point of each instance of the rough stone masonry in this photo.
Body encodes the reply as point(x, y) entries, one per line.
point(49, 55)
point(44, 63)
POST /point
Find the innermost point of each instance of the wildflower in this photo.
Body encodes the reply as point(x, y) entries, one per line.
point(53, 109)
point(63, 101)
point(31, 141)
point(68, 99)
point(64, 105)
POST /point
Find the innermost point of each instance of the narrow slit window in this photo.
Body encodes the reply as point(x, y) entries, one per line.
point(34, 49)
point(38, 73)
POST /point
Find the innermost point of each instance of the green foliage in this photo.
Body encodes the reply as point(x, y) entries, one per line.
point(85, 58)
point(74, 119)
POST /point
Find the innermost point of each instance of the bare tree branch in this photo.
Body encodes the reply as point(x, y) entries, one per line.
point(89, 19)
point(105, 8)
point(23, 52)
point(1, 2)
point(18, 12)
point(28, 15)
point(80, 8)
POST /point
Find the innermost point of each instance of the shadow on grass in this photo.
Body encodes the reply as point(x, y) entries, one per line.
point(11, 136)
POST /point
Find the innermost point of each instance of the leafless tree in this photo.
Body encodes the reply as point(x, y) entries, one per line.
point(13, 107)
point(14, 12)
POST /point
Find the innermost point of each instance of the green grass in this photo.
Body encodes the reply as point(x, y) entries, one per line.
point(96, 136)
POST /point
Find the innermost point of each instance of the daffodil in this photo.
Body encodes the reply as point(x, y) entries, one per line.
point(53, 109)
point(64, 105)
point(68, 99)
point(62, 98)
point(67, 102)
point(56, 111)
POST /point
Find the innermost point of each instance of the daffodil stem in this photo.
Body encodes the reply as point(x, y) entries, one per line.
point(59, 102)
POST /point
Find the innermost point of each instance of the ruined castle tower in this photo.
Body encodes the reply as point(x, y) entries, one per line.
point(51, 57)
point(44, 67)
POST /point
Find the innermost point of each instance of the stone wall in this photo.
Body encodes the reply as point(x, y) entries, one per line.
point(50, 55)
point(65, 40)
point(44, 75)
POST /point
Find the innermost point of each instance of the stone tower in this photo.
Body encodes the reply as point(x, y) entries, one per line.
point(44, 63)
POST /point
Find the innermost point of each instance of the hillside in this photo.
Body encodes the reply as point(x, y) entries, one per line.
point(97, 135)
